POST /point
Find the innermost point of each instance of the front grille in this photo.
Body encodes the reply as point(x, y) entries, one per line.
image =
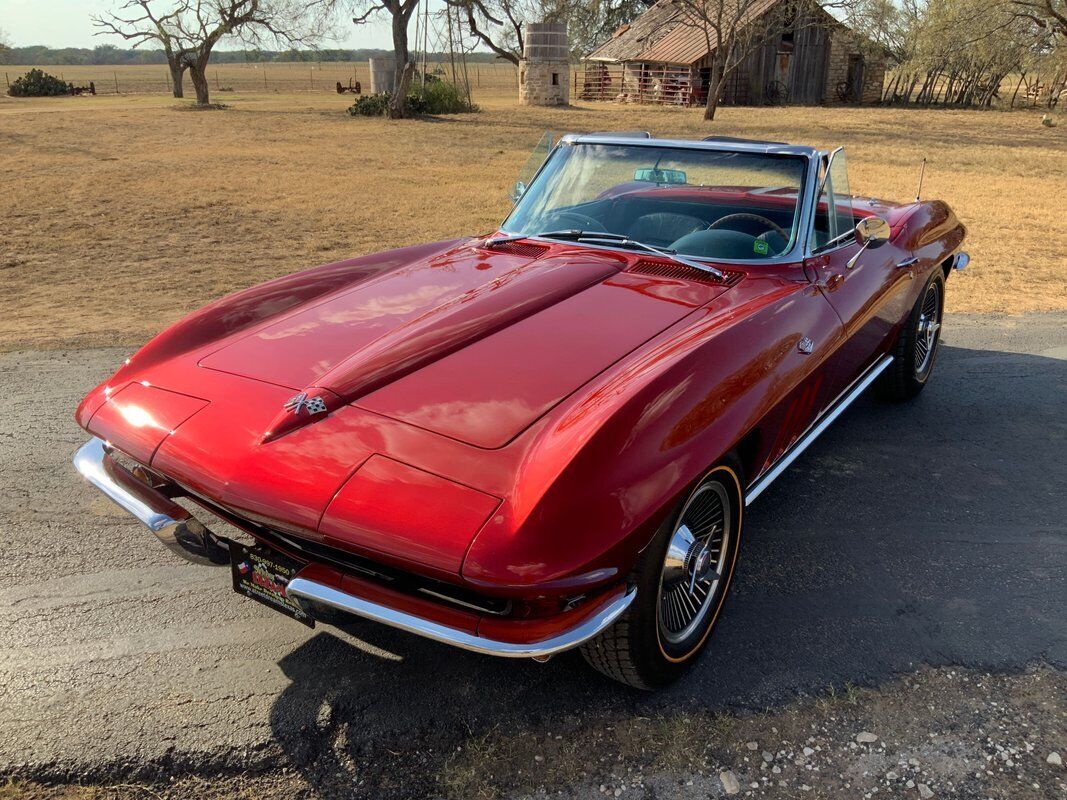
point(676, 271)
point(395, 579)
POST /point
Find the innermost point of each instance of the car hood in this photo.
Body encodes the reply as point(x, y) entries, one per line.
point(474, 344)
point(431, 364)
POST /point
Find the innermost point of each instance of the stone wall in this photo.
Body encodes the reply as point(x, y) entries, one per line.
point(843, 45)
point(544, 83)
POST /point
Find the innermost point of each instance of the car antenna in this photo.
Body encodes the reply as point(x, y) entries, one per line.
point(922, 171)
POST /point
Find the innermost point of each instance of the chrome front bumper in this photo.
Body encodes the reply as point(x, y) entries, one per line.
point(585, 630)
point(180, 532)
point(175, 527)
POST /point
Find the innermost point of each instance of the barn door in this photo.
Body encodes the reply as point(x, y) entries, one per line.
point(855, 77)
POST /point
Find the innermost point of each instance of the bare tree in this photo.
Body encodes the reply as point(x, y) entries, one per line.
point(400, 12)
point(188, 30)
point(498, 24)
point(734, 29)
point(590, 23)
point(145, 26)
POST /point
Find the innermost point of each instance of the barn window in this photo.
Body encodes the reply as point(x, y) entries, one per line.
point(555, 79)
point(522, 78)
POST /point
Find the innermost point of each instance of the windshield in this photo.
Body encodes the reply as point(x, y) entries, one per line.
point(701, 203)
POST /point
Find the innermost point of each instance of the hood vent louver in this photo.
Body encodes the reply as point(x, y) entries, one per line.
point(525, 249)
point(676, 271)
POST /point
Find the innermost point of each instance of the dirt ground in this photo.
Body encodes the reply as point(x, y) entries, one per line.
point(940, 733)
point(122, 214)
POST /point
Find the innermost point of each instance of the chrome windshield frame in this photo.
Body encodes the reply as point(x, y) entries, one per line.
point(805, 195)
point(842, 239)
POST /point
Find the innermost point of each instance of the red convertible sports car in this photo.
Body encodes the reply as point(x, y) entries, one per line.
point(544, 438)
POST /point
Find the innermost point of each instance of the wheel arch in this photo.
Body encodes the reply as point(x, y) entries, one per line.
point(603, 472)
point(946, 266)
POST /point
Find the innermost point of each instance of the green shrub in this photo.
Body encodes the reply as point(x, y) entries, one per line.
point(36, 83)
point(370, 105)
point(439, 98)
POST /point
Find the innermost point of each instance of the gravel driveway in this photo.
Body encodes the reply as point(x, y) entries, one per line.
point(931, 533)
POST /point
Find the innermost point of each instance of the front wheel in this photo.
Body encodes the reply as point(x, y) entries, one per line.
point(682, 579)
point(915, 350)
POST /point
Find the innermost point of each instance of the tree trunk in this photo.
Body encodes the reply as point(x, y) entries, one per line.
point(911, 89)
point(1015, 94)
point(177, 74)
point(198, 72)
point(716, 81)
point(404, 67)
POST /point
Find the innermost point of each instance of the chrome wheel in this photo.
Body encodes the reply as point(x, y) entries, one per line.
point(926, 333)
point(692, 572)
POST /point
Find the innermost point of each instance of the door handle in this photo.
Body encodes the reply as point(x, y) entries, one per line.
point(832, 281)
point(907, 262)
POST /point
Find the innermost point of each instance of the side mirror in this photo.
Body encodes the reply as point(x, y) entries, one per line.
point(872, 231)
point(517, 191)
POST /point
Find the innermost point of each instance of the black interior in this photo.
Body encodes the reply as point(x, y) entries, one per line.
point(680, 225)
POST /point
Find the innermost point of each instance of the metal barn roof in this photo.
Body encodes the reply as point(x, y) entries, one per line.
point(667, 34)
point(631, 40)
point(690, 40)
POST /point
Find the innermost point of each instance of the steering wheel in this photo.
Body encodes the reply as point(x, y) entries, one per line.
point(769, 224)
point(584, 222)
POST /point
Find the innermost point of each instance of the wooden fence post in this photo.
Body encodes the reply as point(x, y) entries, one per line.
point(264, 75)
point(116, 83)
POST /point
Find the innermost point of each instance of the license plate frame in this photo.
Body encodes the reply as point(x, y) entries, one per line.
point(262, 574)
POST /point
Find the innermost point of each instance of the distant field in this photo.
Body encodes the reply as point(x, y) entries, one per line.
point(120, 214)
point(284, 77)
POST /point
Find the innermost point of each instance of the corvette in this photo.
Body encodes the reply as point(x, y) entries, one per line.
point(546, 437)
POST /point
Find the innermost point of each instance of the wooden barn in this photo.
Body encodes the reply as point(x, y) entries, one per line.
point(665, 56)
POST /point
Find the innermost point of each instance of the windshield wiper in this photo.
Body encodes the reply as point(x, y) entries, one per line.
point(610, 238)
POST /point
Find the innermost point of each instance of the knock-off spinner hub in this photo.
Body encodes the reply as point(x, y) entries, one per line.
point(699, 561)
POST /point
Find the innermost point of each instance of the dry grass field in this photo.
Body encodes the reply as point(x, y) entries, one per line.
point(120, 214)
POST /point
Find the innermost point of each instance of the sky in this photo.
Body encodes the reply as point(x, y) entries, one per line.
point(65, 23)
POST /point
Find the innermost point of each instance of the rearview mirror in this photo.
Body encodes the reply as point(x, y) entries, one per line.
point(668, 176)
point(872, 232)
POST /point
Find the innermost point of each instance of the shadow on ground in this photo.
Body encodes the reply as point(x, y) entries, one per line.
point(925, 533)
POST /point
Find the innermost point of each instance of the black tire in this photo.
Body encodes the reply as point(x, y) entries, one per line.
point(913, 355)
point(636, 650)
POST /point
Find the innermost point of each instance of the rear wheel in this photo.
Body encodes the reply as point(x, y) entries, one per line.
point(682, 580)
point(915, 351)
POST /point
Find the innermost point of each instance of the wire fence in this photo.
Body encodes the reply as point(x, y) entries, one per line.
point(260, 77)
point(655, 84)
